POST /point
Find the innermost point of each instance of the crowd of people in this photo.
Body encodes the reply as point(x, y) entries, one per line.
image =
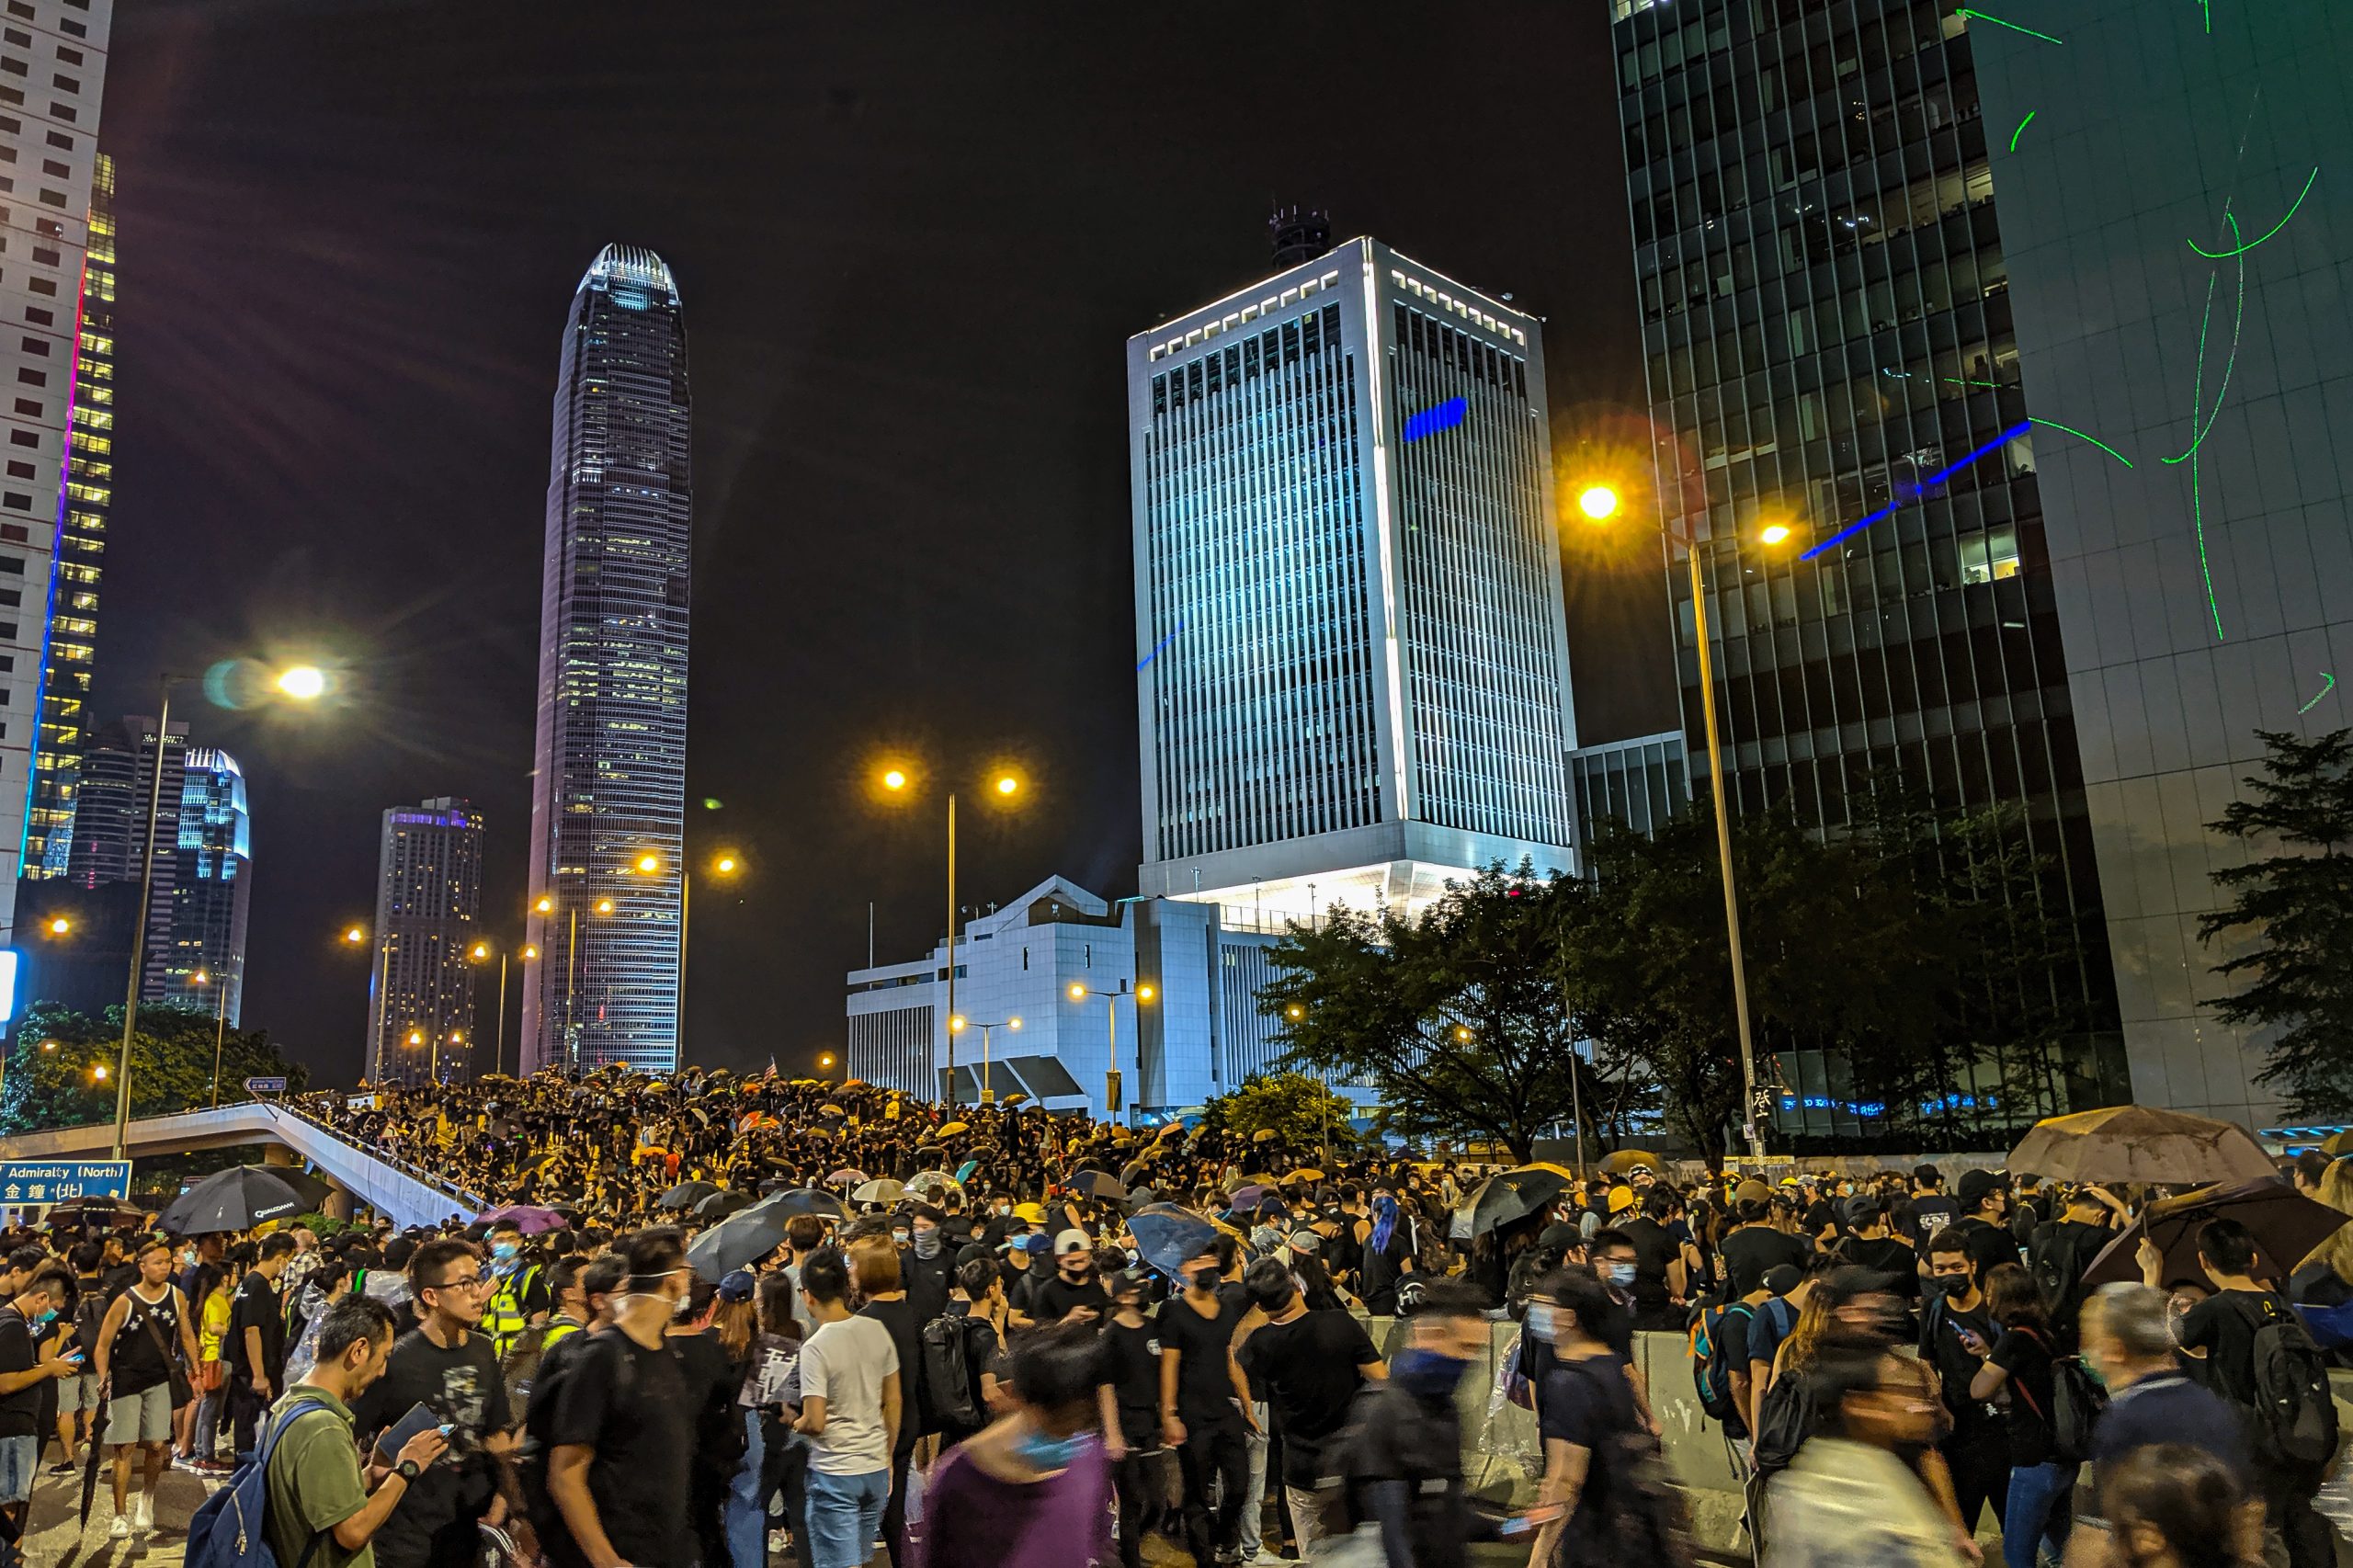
point(991, 1335)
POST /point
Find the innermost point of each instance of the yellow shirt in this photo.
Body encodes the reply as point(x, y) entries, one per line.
point(215, 1324)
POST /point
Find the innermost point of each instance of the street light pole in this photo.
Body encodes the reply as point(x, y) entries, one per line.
point(498, 1055)
point(220, 1036)
point(950, 1095)
point(686, 904)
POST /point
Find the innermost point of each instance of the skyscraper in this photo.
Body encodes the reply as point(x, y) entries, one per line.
point(52, 75)
point(82, 530)
point(206, 890)
point(608, 796)
point(1352, 673)
point(1827, 325)
point(428, 895)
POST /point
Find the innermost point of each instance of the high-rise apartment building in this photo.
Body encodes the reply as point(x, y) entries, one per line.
point(52, 75)
point(81, 545)
point(1352, 676)
point(206, 890)
point(608, 796)
point(428, 898)
point(1824, 276)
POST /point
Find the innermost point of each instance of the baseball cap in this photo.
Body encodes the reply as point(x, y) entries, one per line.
point(1860, 1211)
point(1559, 1236)
point(1072, 1240)
point(1975, 1184)
point(1752, 1191)
point(737, 1286)
point(1782, 1279)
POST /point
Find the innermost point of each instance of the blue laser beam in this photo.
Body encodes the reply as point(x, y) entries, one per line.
point(1916, 491)
point(1430, 421)
point(1164, 643)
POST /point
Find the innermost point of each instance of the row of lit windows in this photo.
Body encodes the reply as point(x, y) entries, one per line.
point(1246, 314)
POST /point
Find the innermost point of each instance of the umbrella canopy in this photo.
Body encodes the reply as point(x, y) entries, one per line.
point(2339, 1144)
point(847, 1173)
point(94, 1211)
point(1624, 1162)
point(539, 1162)
point(1307, 1174)
point(1244, 1198)
point(2286, 1223)
point(533, 1220)
point(932, 1181)
point(1099, 1184)
point(805, 1200)
point(740, 1240)
point(1169, 1236)
point(686, 1195)
point(953, 1128)
point(1264, 1135)
point(1512, 1194)
point(235, 1199)
point(719, 1205)
point(885, 1191)
point(831, 1110)
point(1017, 1097)
point(2131, 1142)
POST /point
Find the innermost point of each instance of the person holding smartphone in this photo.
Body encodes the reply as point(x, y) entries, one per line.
point(1956, 1334)
point(23, 1375)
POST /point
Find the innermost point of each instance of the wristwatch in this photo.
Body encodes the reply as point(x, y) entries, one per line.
point(407, 1469)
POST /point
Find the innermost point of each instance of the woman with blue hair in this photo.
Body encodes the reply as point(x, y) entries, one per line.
point(1387, 1254)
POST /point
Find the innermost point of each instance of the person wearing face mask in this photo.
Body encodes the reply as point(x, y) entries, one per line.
point(1308, 1363)
point(1597, 1505)
point(518, 1299)
point(1851, 1495)
point(1205, 1402)
point(23, 1377)
point(1033, 1488)
point(1955, 1332)
point(1074, 1293)
point(926, 1266)
point(622, 1435)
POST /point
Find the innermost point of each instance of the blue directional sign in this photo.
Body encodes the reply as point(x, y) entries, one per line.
point(267, 1085)
point(54, 1181)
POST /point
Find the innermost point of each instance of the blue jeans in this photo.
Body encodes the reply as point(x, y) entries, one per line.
point(2041, 1507)
point(845, 1517)
point(744, 1522)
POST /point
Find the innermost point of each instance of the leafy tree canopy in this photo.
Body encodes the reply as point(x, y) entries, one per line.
point(171, 1066)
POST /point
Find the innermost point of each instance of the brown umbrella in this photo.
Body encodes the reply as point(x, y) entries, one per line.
point(2339, 1144)
point(2286, 1223)
point(1625, 1162)
point(2131, 1142)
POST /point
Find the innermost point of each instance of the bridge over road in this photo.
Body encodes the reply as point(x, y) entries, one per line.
point(410, 1195)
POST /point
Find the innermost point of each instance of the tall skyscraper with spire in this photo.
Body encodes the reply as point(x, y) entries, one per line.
point(608, 794)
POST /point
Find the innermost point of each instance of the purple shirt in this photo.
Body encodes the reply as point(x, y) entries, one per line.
point(974, 1520)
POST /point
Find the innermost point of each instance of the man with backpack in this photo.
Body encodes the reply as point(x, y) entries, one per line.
point(2058, 1251)
point(2259, 1358)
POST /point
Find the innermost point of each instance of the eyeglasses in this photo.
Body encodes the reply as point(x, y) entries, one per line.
point(471, 1282)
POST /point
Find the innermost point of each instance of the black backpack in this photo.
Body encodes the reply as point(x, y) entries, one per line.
point(2295, 1419)
point(1633, 1512)
point(1784, 1422)
point(2058, 1270)
point(2076, 1402)
point(1710, 1370)
point(951, 1399)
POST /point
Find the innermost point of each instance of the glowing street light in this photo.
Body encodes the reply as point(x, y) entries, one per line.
point(1774, 533)
point(302, 682)
point(604, 906)
point(545, 905)
point(959, 1025)
point(894, 779)
point(59, 926)
point(1143, 995)
point(649, 864)
point(1598, 502)
point(355, 935)
point(1007, 785)
point(824, 1059)
point(725, 865)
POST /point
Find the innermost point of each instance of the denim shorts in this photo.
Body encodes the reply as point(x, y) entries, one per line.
point(18, 1457)
point(78, 1392)
point(844, 1515)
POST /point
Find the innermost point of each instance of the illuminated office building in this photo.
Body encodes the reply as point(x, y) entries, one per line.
point(204, 883)
point(608, 794)
point(52, 75)
point(428, 898)
point(1352, 677)
point(1825, 278)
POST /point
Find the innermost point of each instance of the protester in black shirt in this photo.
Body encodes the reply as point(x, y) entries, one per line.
point(256, 1347)
point(1128, 1398)
point(1586, 1415)
point(1869, 1244)
point(1955, 1336)
point(1658, 1285)
point(1072, 1288)
point(2060, 1250)
point(1753, 1245)
point(1308, 1364)
point(24, 1376)
point(446, 1366)
point(928, 1263)
point(715, 1369)
point(874, 1274)
point(2042, 1486)
point(1931, 1210)
point(1984, 1222)
point(1204, 1402)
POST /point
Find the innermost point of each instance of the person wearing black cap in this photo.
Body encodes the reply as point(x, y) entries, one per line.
point(1868, 1244)
point(1984, 1222)
point(1659, 1285)
point(1930, 1207)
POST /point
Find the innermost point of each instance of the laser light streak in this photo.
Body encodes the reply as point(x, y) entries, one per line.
point(2324, 691)
point(1430, 421)
point(1164, 643)
point(1916, 491)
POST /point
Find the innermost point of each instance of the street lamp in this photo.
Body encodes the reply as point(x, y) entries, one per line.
point(725, 865)
point(302, 683)
point(1006, 785)
point(481, 954)
point(1079, 993)
point(957, 1026)
point(1605, 498)
point(58, 925)
point(824, 1059)
point(219, 1028)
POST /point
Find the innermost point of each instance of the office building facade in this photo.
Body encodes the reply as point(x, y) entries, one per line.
point(1352, 676)
point(52, 78)
point(1828, 331)
point(2178, 213)
point(207, 890)
point(428, 906)
point(81, 546)
point(608, 794)
point(1637, 783)
point(1199, 1033)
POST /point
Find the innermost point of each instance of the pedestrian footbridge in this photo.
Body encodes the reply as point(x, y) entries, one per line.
point(360, 1175)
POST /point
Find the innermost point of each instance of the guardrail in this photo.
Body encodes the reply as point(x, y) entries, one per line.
point(468, 1201)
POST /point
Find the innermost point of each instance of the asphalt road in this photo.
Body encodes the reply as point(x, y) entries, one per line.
point(58, 1539)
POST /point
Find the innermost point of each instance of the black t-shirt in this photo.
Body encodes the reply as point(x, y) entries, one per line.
point(1132, 1365)
point(1932, 1212)
point(928, 1280)
point(1588, 1403)
point(117, 1280)
point(1054, 1298)
point(1942, 1330)
point(1308, 1371)
point(1655, 1249)
point(1204, 1385)
point(1889, 1255)
point(634, 1407)
point(906, 1337)
point(2223, 1325)
point(2025, 1355)
point(20, 1411)
point(460, 1383)
point(1989, 1246)
point(1749, 1250)
point(255, 1306)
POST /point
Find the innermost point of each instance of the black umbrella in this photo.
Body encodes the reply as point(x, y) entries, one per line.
point(719, 1205)
point(1099, 1184)
point(235, 1199)
point(740, 1240)
point(686, 1195)
point(806, 1200)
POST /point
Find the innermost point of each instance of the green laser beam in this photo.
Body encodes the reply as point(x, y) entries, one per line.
point(2021, 131)
point(2242, 250)
point(2197, 400)
point(2238, 322)
point(1958, 381)
point(2070, 430)
point(1997, 21)
point(2324, 691)
point(2206, 7)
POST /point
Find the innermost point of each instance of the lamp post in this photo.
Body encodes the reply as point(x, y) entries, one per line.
point(725, 865)
point(303, 683)
point(219, 1028)
point(1599, 503)
point(1006, 785)
point(955, 1026)
point(1080, 991)
point(481, 954)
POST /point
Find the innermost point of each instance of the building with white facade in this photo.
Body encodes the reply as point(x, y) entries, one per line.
point(1352, 678)
point(428, 903)
point(53, 76)
point(1175, 988)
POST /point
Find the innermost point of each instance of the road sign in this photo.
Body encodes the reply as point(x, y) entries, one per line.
point(54, 1181)
point(267, 1085)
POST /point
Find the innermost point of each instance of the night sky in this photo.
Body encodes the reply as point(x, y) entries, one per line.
point(911, 242)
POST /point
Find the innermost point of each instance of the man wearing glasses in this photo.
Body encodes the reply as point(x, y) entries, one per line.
point(449, 1366)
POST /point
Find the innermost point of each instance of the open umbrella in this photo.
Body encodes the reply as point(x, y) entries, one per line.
point(534, 1221)
point(235, 1199)
point(934, 1181)
point(1509, 1196)
point(1264, 1135)
point(719, 1205)
point(1246, 1197)
point(953, 1128)
point(1306, 1174)
point(2339, 1144)
point(686, 1195)
point(2131, 1142)
point(539, 1162)
point(1015, 1099)
point(847, 1173)
point(1099, 1184)
point(1625, 1162)
point(883, 1190)
point(829, 1109)
point(1169, 1236)
point(2286, 1223)
point(739, 1241)
point(805, 1200)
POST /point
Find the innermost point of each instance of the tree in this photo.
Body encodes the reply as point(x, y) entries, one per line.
point(2291, 917)
point(171, 1066)
point(1295, 1106)
point(1455, 1019)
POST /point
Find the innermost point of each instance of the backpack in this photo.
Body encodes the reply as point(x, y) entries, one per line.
point(89, 1316)
point(2076, 1402)
point(950, 1386)
point(227, 1529)
point(2295, 1420)
point(1710, 1371)
point(1784, 1422)
point(2059, 1271)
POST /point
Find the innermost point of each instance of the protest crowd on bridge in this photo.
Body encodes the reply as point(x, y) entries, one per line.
point(721, 1322)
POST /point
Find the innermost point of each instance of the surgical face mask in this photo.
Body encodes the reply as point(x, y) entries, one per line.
point(47, 1316)
point(503, 1251)
point(1619, 1274)
point(1542, 1322)
point(1039, 1451)
point(899, 1237)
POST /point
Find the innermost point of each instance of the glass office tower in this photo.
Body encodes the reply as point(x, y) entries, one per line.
point(609, 796)
point(208, 896)
point(1824, 287)
point(1352, 676)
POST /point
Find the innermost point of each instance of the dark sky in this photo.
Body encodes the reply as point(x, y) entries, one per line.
point(911, 242)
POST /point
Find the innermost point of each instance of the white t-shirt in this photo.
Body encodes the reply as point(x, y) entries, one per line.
point(843, 1364)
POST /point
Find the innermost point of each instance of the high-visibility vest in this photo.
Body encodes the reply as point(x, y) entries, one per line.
point(561, 1328)
point(502, 1318)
